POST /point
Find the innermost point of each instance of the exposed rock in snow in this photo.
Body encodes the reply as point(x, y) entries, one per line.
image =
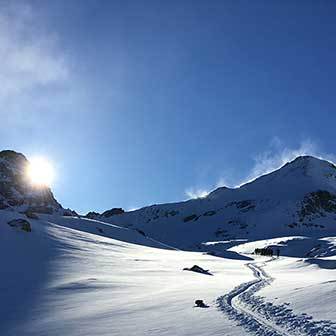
point(197, 269)
point(92, 215)
point(113, 212)
point(21, 224)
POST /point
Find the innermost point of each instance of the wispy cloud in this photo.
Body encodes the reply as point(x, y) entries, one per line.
point(29, 55)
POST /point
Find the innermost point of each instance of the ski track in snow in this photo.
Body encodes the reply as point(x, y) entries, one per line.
point(265, 318)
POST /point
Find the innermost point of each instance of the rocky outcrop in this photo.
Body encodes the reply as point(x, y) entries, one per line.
point(70, 213)
point(92, 215)
point(17, 191)
point(21, 224)
point(113, 212)
point(316, 204)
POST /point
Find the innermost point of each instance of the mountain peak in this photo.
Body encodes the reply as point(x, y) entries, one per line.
point(308, 159)
point(15, 189)
point(300, 174)
point(13, 158)
point(311, 166)
point(10, 154)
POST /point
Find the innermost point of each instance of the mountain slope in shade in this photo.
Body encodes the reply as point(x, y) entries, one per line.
point(16, 192)
point(297, 199)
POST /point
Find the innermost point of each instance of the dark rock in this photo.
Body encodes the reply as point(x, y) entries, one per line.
point(190, 218)
point(209, 213)
point(31, 214)
point(201, 304)
point(113, 212)
point(316, 203)
point(170, 213)
point(20, 224)
point(15, 202)
point(197, 269)
point(243, 206)
point(92, 215)
point(12, 155)
point(141, 232)
point(15, 188)
point(70, 213)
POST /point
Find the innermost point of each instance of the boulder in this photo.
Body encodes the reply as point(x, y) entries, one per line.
point(197, 269)
point(20, 224)
point(201, 304)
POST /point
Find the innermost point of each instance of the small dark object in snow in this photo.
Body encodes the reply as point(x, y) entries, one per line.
point(197, 269)
point(201, 304)
point(267, 251)
point(141, 232)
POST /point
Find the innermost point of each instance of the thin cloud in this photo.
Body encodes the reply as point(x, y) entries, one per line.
point(30, 55)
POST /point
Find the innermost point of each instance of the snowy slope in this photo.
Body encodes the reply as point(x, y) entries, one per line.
point(60, 281)
point(297, 199)
point(307, 285)
point(123, 274)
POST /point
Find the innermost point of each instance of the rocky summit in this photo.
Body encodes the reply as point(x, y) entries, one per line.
point(17, 192)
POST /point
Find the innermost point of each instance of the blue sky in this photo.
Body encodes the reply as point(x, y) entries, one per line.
point(141, 102)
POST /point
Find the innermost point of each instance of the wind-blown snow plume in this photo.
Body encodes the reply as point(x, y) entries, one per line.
point(278, 155)
point(196, 193)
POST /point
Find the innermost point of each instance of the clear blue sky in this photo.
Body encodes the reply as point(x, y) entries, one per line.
point(140, 102)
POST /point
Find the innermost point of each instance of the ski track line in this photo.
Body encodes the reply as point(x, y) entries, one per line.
point(266, 319)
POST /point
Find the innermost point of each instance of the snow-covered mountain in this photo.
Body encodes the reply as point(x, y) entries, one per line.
point(123, 273)
point(299, 198)
point(17, 193)
point(63, 278)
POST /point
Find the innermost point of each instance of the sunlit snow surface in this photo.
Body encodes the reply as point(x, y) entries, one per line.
point(58, 280)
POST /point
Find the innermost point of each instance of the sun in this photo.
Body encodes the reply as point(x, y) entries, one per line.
point(40, 172)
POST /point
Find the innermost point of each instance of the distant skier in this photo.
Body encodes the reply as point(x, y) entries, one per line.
point(278, 253)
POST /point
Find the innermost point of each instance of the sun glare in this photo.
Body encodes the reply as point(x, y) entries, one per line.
point(40, 172)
